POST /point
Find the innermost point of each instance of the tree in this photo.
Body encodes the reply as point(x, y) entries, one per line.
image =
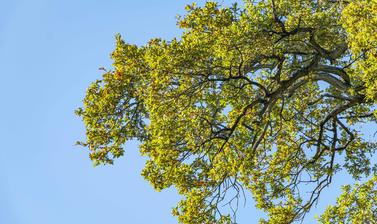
point(267, 97)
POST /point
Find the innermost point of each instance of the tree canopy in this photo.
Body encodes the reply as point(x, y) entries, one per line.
point(269, 97)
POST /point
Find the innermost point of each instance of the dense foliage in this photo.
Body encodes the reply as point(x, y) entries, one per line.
point(270, 97)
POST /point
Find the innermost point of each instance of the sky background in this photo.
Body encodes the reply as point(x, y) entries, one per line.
point(50, 51)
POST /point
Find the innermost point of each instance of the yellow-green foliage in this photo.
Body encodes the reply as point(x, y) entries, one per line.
point(360, 21)
point(263, 97)
point(355, 205)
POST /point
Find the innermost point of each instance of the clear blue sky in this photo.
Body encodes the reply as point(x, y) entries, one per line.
point(49, 53)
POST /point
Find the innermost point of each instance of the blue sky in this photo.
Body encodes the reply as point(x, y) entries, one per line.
point(50, 51)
